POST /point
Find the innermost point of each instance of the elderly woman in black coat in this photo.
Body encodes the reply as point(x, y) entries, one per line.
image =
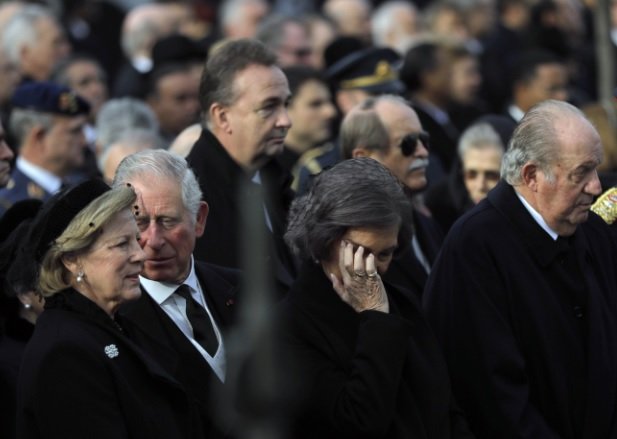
point(81, 376)
point(369, 364)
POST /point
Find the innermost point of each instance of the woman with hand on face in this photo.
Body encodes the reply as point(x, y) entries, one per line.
point(368, 364)
point(81, 376)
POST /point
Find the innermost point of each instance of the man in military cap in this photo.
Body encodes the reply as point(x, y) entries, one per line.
point(47, 122)
point(356, 76)
point(368, 72)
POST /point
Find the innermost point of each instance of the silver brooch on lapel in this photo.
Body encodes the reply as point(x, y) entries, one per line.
point(111, 351)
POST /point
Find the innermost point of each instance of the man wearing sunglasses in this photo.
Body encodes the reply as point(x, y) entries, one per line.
point(388, 130)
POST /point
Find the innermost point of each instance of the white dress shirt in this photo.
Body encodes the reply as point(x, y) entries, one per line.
point(175, 307)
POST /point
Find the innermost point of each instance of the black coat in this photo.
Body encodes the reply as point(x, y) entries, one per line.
point(17, 332)
point(163, 340)
point(406, 270)
point(82, 377)
point(365, 375)
point(531, 346)
point(220, 179)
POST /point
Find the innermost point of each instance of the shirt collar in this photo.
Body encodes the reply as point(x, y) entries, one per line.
point(48, 181)
point(516, 113)
point(537, 217)
point(161, 291)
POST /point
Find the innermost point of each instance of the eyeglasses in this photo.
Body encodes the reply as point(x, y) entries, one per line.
point(410, 142)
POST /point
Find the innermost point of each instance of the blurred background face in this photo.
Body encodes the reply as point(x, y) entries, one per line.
point(311, 112)
point(296, 48)
point(52, 46)
point(88, 80)
point(481, 171)
point(465, 80)
point(550, 82)
point(65, 142)
point(176, 102)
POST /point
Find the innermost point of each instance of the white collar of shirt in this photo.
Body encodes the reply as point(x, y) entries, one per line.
point(48, 181)
point(537, 217)
point(161, 291)
point(516, 113)
point(142, 64)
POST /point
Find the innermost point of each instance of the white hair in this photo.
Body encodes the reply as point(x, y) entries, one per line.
point(480, 135)
point(21, 30)
point(384, 18)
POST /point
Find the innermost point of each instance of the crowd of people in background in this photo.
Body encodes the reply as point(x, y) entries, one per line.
point(306, 218)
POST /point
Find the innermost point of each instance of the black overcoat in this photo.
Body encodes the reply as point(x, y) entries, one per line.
point(164, 341)
point(527, 358)
point(220, 179)
point(368, 374)
point(82, 377)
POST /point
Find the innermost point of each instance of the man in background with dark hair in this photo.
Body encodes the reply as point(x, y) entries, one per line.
point(538, 76)
point(244, 97)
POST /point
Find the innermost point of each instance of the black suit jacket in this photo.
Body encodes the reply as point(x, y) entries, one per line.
point(162, 339)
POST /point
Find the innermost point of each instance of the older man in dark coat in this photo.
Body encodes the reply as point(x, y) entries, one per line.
point(523, 296)
point(186, 306)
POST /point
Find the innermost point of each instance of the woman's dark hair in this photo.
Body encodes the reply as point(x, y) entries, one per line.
point(358, 192)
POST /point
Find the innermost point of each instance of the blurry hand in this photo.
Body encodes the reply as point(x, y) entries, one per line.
point(360, 285)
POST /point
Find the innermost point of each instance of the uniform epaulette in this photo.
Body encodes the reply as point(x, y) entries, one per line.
point(606, 206)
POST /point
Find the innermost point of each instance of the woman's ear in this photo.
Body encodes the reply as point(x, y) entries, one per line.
point(71, 263)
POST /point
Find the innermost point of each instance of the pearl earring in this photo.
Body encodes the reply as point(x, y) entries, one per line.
point(80, 277)
point(27, 305)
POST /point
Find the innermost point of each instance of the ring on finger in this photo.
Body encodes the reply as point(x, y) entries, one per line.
point(356, 274)
point(372, 275)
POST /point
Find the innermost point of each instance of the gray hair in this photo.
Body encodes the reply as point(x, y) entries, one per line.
point(162, 164)
point(228, 11)
point(22, 121)
point(217, 81)
point(140, 29)
point(129, 140)
point(382, 19)
point(120, 115)
point(362, 126)
point(535, 140)
point(271, 30)
point(479, 136)
point(21, 30)
point(357, 192)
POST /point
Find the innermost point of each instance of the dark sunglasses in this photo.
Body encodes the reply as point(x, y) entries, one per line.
point(410, 142)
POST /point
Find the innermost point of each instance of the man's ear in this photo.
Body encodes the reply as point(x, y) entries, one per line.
point(529, 173)
point(219, 117)
point(202, 216)
point(38, 133)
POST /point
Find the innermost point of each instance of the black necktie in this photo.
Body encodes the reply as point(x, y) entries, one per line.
point(203, 331)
